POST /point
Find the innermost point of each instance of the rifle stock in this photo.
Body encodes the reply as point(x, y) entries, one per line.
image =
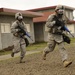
point(59, 23)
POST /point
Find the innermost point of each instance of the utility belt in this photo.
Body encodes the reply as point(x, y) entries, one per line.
point(59, 33)
point(18, 35)
point(55, 31)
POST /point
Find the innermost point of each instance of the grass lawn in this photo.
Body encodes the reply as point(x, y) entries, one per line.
point(30, 47)
point(36, 46)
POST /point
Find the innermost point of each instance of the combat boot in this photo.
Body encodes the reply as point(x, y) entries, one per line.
point(12, 54)
point(67, 63)
point(21, 60)
point(44, 55)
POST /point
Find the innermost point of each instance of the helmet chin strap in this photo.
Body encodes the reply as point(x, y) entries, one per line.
point(20, 20)
point(60, 15)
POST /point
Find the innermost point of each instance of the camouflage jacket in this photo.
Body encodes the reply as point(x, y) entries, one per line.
point(14, 26)
point(54, 30)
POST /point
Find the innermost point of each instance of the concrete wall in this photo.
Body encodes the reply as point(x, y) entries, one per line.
point(0, 41)
point(71, 28)
point(6, 39)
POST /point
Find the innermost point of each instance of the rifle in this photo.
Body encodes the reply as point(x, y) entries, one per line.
point(66, 29)
point(24, 32)
point(62, 24)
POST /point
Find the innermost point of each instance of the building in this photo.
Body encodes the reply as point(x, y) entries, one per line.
point(35, 20)
point(40, 31)
point(7, 17)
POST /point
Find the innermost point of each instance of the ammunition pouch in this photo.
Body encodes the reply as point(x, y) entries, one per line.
point(58, 22)
point(26, 41)
point(58, 33)
point(66, 39)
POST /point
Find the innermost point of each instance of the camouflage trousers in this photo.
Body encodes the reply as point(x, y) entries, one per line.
point(19, 45)
point(51, 45)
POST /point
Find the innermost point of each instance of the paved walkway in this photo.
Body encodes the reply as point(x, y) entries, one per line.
point(4, 57)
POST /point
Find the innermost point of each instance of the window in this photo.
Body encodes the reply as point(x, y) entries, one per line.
point(5, 28)
point(28, 27)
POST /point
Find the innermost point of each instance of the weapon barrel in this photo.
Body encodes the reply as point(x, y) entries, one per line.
point(68, 30)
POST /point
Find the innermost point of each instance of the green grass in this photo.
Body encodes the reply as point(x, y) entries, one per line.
point(72, 40)
point(4, 52)
point(36, 46)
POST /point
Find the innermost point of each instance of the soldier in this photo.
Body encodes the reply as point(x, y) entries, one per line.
point(54, 26)
point(19, 42)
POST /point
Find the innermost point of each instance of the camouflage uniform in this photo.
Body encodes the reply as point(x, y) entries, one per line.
point(19, 43)
point(54, 37)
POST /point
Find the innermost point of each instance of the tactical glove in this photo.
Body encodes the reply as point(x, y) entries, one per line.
point(18, 30)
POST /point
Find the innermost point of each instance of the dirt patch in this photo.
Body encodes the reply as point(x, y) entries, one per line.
point(34, 65)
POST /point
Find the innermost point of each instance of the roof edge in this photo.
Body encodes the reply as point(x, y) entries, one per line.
point(25, 13)
point(50, 7)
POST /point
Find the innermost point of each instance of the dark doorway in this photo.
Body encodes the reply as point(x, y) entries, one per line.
point(38, 32)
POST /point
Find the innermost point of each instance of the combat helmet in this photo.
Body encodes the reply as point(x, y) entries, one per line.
point(18, 16)
point(59, 7)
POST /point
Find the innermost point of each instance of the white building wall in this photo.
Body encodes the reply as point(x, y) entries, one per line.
point(69, 14)
point(71, 28)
